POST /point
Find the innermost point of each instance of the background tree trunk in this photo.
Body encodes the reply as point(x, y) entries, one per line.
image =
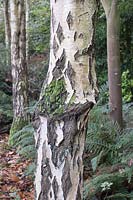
point(113, 53)
point(18, 62)
point(27, 2)
point(7, 31)
point(67, 96)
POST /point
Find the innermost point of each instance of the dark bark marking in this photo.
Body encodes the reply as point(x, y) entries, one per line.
point(66, 179)
point(75, 36)
point(90, 68)
point(78, 163)
point(85, 51)
point(46, 173)
point(70, 73)
point(76, 55)
point(52, 136)
point(56, 73)
point(55, 47)
point(70, 126)
point(60, 63)
point(80, 1)
point(50, 194)
point(81, 64)
point(60, 34)
point(80, 178)
point(78, 197)
point(69, 20)
point(81, 36)
point(55, 188)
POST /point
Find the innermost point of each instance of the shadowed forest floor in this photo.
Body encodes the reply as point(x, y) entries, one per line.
point(14, 184)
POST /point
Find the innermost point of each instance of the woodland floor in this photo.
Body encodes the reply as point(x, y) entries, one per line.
point(14, 184)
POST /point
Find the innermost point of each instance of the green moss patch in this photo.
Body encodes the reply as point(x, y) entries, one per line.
point(53, 101)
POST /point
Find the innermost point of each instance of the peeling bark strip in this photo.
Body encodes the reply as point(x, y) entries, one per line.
point(65, 101)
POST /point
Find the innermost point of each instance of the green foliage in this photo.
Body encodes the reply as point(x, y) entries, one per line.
point(127, 85)
point(37, 76)
point(24, 140)
point(2, 32)
point(100, 47)
point(39, 29)
point(17, 125)
point(126, 47)
point(6, 105)
point(30, 170)
point(111, 156)
point(15, 196)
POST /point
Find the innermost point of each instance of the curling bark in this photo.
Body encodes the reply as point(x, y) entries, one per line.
point(67, 96)
point(113, 54)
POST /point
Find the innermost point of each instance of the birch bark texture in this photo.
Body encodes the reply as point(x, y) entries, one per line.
point(27, 3)
point(113, 58)
point(7, 30)
point(67, 96)
point(18, 62)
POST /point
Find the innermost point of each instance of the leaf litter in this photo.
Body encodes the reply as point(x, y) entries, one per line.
point(14, 184)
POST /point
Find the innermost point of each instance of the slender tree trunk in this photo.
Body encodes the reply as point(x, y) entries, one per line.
point(7, 31)
point(27, 29)
point(18, 62)
point(67, 96)
point(113, 52)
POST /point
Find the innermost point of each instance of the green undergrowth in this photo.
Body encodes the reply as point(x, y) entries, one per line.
point(6, 106)
point(24, 141)
point(111, 153)
point(17, 125)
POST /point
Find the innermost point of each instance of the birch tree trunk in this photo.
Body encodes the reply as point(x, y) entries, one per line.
point(113, 53)
point(7, 31)
point(27, 2)
point(18, 62)
point(67, 96)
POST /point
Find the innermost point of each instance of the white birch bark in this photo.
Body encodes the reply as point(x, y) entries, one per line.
point(67, 96)
point(7, 30)
point(27, 2)
point(18, 62)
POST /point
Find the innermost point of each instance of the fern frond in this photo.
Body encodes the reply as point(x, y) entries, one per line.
point(120, 196)
point(24, 139)
point(28, 151)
